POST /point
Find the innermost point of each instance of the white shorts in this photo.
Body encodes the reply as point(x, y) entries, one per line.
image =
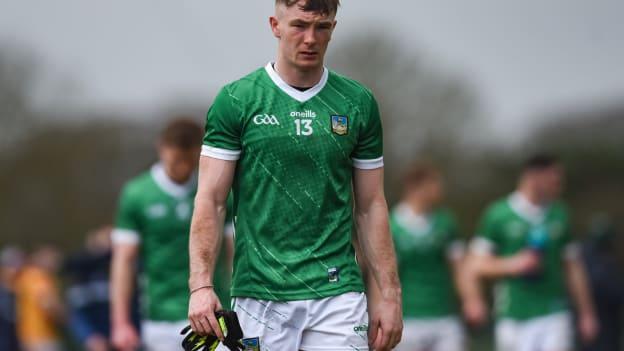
point(162, 336)
point(435, 334)
point(549, 333)
point(331, 324)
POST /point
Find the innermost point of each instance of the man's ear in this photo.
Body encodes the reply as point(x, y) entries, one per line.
point(275, 28)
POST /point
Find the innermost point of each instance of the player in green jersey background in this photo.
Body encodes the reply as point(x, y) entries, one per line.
point(153, 223)
point(430, 255)
point(299, 145)
point(524, 242)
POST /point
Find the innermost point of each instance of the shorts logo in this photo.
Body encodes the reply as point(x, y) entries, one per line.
point(266, 120)
point(251, 344)
point(361, 330)
point(340, 125)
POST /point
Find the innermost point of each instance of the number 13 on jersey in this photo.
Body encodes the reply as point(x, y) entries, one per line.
point(304, 127)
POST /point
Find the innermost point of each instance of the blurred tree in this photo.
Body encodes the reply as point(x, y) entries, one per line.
point(425, 112)
point(17, 72)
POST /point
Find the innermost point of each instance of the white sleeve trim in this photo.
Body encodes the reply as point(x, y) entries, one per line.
point(125, 237)
point(221, 154)
point(481, 246)
point(572, 252)
point(368, 164)
point(456, 250)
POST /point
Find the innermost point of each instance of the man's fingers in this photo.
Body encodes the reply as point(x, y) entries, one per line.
point(373, 331)
point(395, 338)
point(193, 325)
point(214, 324)
point(381, 343)
point(204, 327)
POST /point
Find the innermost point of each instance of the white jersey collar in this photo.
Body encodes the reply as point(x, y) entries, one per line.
point(301, 96)
point(168, 185)
point(417, 223)
point(526, 209)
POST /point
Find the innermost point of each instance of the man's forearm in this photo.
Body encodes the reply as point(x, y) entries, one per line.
point(466, 280)
point(122, 283)
point(205, 241)
point(378, 249)
point(579, 286)
point(491, 267)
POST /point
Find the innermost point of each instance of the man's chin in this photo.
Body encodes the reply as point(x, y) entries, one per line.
point(309, 65)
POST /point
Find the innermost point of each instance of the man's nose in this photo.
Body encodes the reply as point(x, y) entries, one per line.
point(309, 37)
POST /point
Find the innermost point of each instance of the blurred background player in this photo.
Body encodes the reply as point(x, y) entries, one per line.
point(88, 300)
point(603, 258)
point(11, 260)
point(153, 222)
point(430, 255)
point(40, 311)
point(524, 243)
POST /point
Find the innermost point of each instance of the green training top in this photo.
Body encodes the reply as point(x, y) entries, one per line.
point(514, 224)
point(293, 183)
point(425, 245)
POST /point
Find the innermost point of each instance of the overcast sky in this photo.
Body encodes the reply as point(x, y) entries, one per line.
point(524, 57)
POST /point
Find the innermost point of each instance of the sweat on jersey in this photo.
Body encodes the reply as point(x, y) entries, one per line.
point(293, 183)
point(504, 230)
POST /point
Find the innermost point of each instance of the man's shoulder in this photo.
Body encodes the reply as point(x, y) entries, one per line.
point(350, 86)
point(560, 209)
point(498, 209)
point(247, 84)
point(139, 184)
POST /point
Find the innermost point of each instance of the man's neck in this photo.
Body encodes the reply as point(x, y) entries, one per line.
point(531, 196)
point(296, 77)
point(419, 206)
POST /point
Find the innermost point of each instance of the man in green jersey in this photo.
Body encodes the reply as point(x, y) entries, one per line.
point(153, 222)
point(524, 243)
point(298, 144)
point(430, 255)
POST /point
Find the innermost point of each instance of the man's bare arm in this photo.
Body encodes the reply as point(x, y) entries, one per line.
point(491, 266)
point(468, 286)
point(582, 297)
point(124, 336)
point(373, 236)
point(215, 181)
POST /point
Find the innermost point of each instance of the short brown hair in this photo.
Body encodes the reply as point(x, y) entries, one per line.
point(320, 6)
point(183, 133)
point(420, 172)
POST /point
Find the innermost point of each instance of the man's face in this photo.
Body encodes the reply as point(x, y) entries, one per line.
point(551, 182)
point(303, 36)
point(179, 163)
point(430, 191)
point(548, 182)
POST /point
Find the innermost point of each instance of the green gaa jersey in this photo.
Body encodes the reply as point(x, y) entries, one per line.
point(425, 245)
point(155, 212)
point(514, 224)
point(293, 183)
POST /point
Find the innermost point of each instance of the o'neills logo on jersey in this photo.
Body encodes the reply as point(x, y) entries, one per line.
point(304, 114)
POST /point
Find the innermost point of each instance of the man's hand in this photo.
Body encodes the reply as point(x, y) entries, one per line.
point(125, 337)
point(202, 307)
point(96, 342)
point(475, 312)
point(523, 263)
point(385, 325)
point(588, 327)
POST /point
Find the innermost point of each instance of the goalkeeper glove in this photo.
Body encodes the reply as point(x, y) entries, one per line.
point(228, 322)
